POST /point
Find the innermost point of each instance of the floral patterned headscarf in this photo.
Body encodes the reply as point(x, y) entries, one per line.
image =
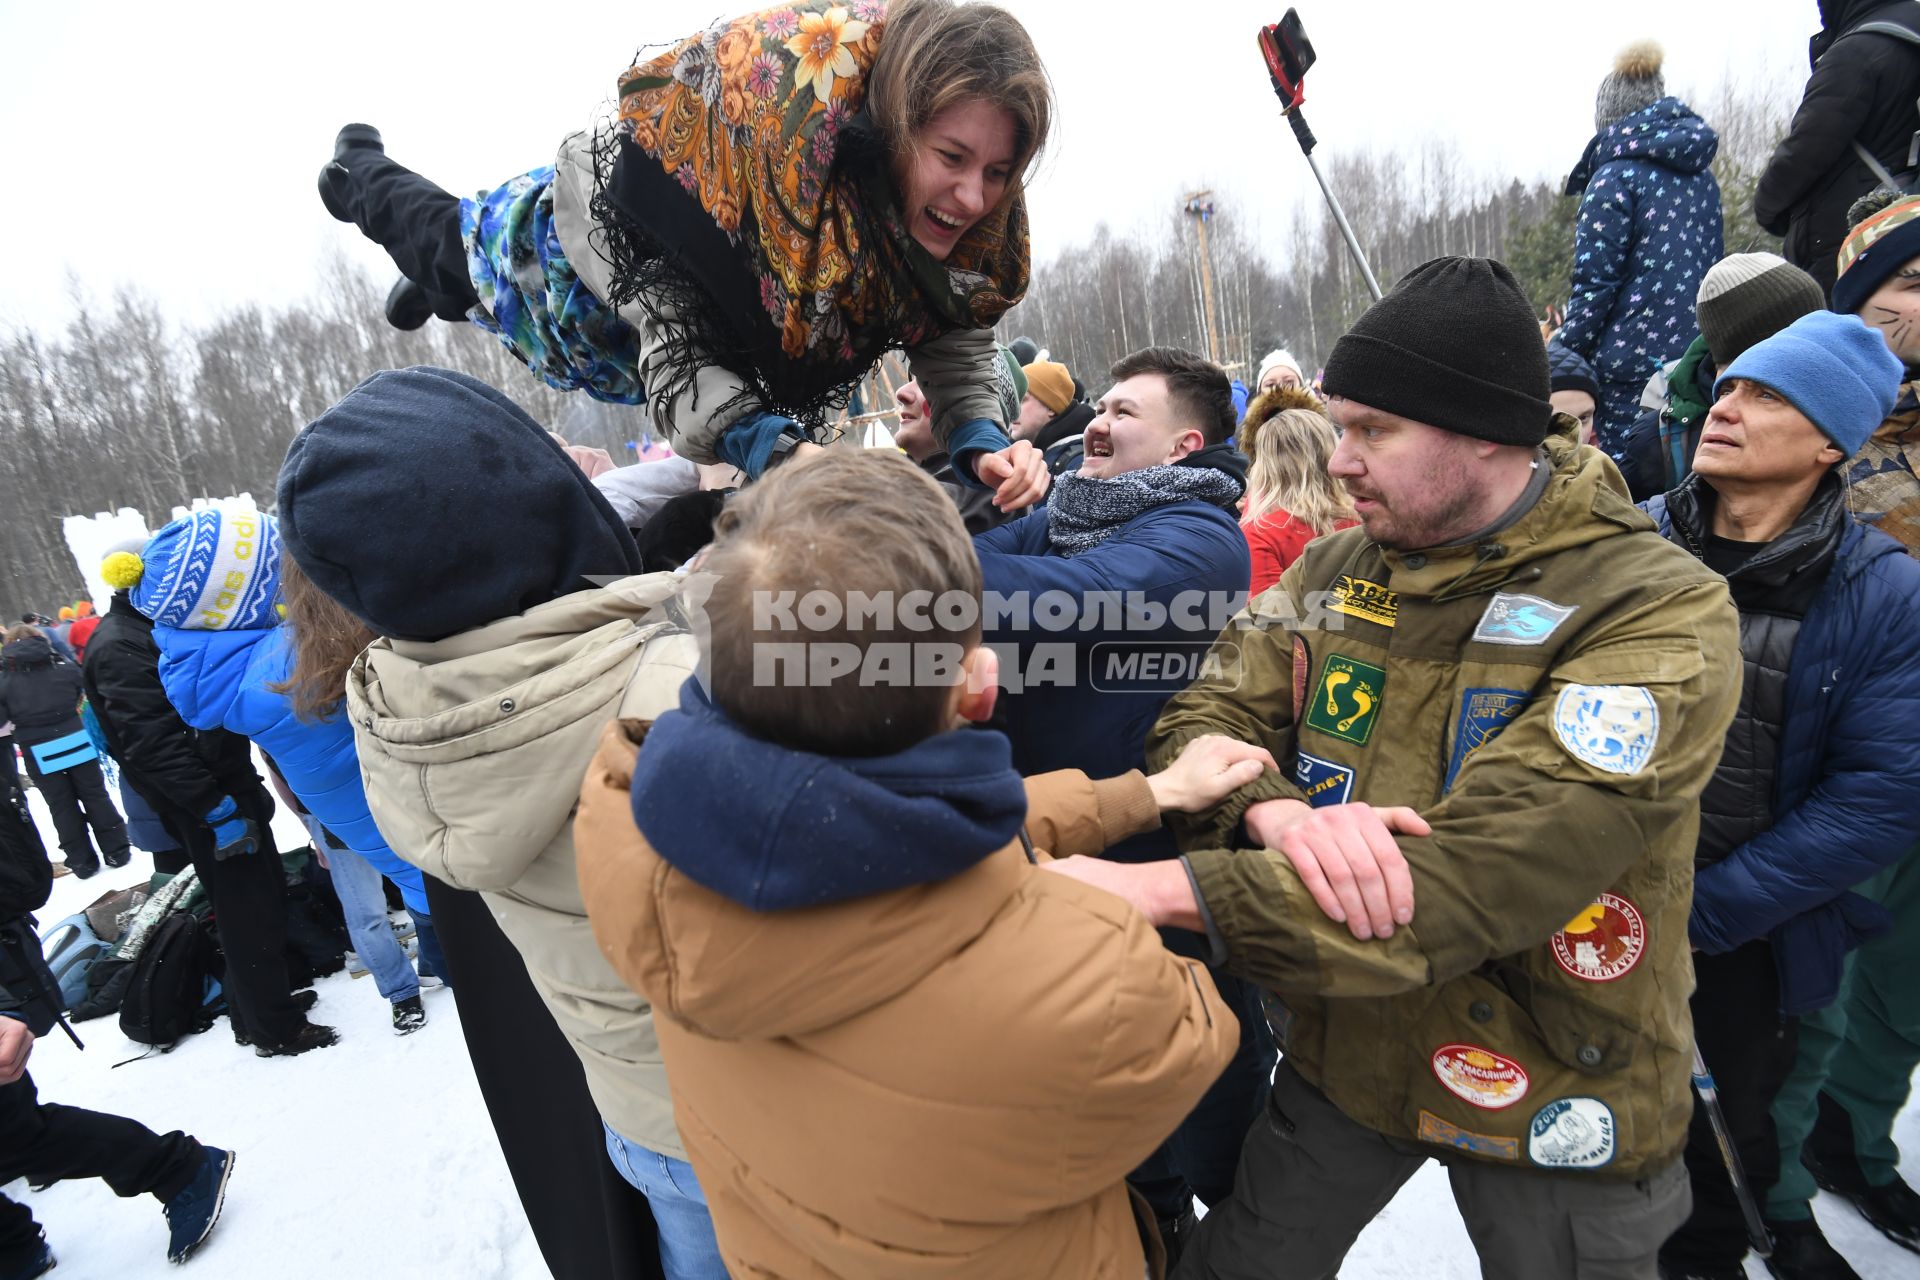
point(759, 120)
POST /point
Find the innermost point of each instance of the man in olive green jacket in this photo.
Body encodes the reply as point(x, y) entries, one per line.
point(1502, 694)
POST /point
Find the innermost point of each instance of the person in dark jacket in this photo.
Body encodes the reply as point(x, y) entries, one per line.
point(203, 786)
point(1574, 391)
point(1147, 525)
point(1053, 415)
point(1744, 298)
point(1814, 793)
point(46, 1142)
point(41, 695)
point(1860, 98)
point(1648, 228)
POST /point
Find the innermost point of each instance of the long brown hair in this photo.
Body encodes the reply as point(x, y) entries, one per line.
point(1290, 472)
point(326, 640)
point(936, 54)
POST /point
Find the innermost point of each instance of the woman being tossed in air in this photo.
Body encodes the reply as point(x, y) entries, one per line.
point(777, 202)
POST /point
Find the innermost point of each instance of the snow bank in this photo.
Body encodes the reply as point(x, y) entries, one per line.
point(90, 537)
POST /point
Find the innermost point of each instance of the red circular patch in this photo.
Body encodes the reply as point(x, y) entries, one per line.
point(1603, 942)
point(1488, 1080)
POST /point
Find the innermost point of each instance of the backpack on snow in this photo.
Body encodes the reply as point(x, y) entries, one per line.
point(167, 995)
point(70, 949)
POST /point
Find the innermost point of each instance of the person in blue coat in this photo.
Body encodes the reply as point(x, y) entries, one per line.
point(1815, 793)
point(227, 661)
point(1648, 228)
point(1101, 604)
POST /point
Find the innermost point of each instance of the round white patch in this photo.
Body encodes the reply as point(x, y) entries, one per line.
point(1610, 726)
point(1572, 1133)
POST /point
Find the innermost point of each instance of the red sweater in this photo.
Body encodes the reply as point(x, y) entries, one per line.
point(1276, 540)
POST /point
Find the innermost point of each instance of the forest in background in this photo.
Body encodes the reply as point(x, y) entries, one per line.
point(122, 408)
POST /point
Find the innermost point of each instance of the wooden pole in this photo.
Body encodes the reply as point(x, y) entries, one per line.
point(1200, 209)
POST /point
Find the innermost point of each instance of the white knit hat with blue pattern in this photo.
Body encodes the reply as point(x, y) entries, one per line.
point(212, 570)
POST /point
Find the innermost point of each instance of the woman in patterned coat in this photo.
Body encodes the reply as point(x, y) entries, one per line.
point(1648, 229)
point(778, 201)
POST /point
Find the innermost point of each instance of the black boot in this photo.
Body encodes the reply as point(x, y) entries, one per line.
point(1894, 1208)
point(1830, 1157)
point(1801, 1252)
point(408, 306)
point(310, 1036)
point(335, 176)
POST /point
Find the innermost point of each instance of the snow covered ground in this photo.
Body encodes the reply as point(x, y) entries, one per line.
point(374, 1158)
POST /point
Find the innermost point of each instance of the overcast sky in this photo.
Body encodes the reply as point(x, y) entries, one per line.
point(173, 147)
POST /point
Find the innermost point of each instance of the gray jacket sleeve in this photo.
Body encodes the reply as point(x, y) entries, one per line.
point(692, 420)
point(962, 375)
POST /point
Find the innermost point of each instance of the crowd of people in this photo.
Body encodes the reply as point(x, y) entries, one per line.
point(1132, 826)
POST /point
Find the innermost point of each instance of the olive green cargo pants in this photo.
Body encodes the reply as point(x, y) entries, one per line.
point(1310, 1179)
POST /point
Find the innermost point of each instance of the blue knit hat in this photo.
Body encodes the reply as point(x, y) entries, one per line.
point(213, 570)
point(1833, 368)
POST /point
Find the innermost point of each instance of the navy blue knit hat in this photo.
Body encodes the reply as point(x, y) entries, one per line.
point(1567, 371)
point(1833, 368)
point(427, 503)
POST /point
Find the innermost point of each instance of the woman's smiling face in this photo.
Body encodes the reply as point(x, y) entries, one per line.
point(959, 170)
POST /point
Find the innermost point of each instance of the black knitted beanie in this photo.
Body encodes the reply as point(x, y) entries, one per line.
point(1456, 345)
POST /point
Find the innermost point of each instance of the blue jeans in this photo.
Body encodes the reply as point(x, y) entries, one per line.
point(364, 903)
point(688, 1250)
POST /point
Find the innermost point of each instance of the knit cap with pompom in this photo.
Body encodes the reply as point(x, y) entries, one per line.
point(1634, 83)
point(122, 570)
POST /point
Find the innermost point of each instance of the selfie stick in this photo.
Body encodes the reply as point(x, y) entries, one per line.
point(1710, 1097)
point(1291, 90)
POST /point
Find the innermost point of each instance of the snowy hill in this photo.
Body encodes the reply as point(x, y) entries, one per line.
point(375, 1158)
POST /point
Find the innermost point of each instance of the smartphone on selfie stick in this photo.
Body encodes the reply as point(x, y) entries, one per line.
point(1288, 54)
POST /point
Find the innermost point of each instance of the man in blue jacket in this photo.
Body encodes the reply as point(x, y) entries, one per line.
point(1814, 794)
point(1102, 603)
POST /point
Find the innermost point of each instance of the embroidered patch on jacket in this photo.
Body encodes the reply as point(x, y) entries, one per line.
point(1446, 1133)
point(1324, 781)
point(1613, 727)
point(1603, 942)
point(1359, 598)
point(1488, 1080)
point(1483, 714)
point(1518, 619)
point(1347, 700)
point(1572, 1133)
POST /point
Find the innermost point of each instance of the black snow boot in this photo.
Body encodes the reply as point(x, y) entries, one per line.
point(1801, 1252)
point(309, 1037)
point(335, 177)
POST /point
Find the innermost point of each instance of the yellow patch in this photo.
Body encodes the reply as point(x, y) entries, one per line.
point(1369, 601)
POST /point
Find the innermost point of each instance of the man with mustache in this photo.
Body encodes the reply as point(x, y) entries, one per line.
point(1500, 696)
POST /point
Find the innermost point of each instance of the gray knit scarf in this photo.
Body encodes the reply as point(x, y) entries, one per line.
point(1084, 512)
